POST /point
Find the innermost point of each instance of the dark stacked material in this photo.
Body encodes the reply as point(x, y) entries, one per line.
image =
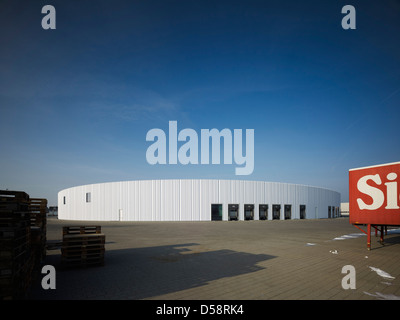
point(82, 246)
point(38, 210)
point(15, 246)
point(22, 242)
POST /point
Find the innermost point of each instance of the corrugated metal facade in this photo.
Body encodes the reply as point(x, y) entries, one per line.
point(190, 200)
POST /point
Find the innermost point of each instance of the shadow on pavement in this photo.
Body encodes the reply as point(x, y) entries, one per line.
point(141, 273)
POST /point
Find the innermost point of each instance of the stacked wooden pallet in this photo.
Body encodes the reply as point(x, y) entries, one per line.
point(38, 211)
point(16, 260)
point(82, 246)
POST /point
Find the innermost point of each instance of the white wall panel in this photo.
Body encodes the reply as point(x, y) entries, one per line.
point(188, 200)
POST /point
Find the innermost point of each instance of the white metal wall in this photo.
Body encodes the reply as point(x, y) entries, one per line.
point(189, 200)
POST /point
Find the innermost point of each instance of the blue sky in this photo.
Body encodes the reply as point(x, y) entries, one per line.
point(76, 102)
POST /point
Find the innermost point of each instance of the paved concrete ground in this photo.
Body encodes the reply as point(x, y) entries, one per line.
point(245, 260)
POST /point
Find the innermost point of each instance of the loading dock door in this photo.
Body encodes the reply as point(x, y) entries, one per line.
point(288, 211)
point(216, 212)
point(249, 212)
point(302, 211)
point(263, 212)
point(233, 212)
point(276, 211)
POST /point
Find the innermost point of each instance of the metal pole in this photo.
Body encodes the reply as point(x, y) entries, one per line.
point(369, 237)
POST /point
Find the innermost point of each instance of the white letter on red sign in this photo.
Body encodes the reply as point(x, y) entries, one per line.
point(391, 190)
point(376, 194)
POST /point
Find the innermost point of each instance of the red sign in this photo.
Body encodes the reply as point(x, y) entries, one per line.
point(374, 194)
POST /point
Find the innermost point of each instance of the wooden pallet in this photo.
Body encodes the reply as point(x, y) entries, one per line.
point(38, 210)
point(14, 285)
point(38, 202)
point(11, 287)
point(13, 232)
point(21, 243)
point(82, 246)
point(81, 230)
point(7, 195)
point(38, 244)
point(11, 251)
point(83, 239)
point(38, 221)
point(14, 216)
point(10, 267)
point(6, 206)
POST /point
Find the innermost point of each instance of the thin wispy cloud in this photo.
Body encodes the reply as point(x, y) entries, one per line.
point(390, 96)
point(134, 108)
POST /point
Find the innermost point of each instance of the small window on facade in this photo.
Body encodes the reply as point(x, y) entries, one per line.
point(64, 200)
point(88, 197)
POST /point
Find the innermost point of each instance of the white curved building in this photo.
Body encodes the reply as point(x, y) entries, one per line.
point(196, 200)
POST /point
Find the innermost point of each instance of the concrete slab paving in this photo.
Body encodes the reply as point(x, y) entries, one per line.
point(238, 260)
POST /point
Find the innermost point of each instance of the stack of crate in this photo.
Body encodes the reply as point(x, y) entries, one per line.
point(82, 246)
point(38, 211)
point(16, 259)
